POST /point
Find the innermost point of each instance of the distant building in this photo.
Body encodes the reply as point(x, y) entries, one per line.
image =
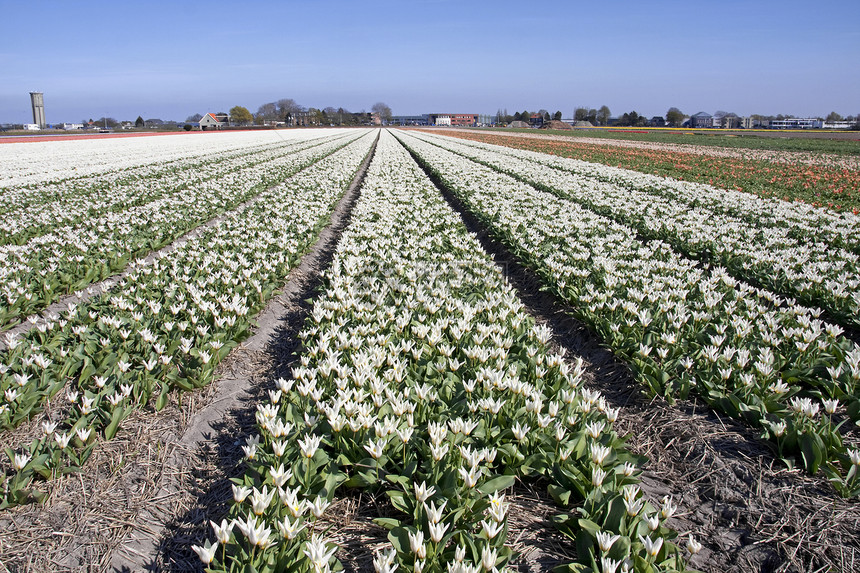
point(838, 124)
point(657, 121)
point(701, 119)
point(71, 126)
point(32, 127)
point(410, 119)
point(211, 121)
point(300, 118)
point(454, 119)
point(797, 123)
point(754, 123)
point(730, 121)
point(536, 120)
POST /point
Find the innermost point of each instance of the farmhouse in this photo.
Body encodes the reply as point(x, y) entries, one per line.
point(213, 121)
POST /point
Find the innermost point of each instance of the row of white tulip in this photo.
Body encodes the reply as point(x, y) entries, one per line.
point(34, 163)
point(798, 220)
point(681, 327)
point(422, 375)
point(164, 327)
point(36, 209)
point(816, 273)
point(37, 273)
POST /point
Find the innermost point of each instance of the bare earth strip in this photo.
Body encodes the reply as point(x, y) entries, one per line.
point(789, 157)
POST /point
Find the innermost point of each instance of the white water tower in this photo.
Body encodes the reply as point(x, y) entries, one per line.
point(38, 101)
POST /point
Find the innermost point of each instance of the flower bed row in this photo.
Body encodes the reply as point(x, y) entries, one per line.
point(35, 274)
point(681, 327)
point(422, 376)
point(834, 188)
point(164, 327)
point(28, 164)
point(34, 210)
point(816, 273)
point(800, 220)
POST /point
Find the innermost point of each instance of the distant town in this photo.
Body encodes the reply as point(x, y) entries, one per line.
point(287, 113)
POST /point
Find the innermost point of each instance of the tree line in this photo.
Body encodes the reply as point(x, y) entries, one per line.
point(288, 111)
point(674, 117)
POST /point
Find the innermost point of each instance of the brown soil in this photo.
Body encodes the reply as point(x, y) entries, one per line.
point(555, 124)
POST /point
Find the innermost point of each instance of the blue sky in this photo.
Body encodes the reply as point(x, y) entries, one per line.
point(168, 60)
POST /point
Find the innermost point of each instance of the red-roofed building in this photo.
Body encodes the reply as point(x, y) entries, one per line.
point(211, 121)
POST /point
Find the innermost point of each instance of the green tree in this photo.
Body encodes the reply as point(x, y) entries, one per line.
point(318, 116)
point(139, 122)
point(557, 116)
point(833, 116)
point(346, 117)
point(580, 114)
point(674, 117)
point(603, 115)
point(240, 115)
